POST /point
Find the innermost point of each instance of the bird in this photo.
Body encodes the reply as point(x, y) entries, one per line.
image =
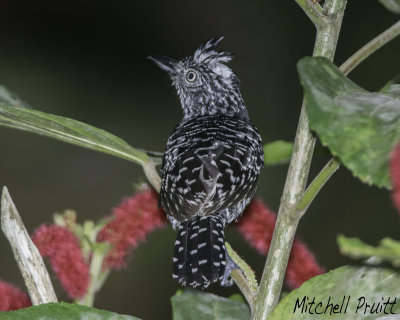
point(210, 166)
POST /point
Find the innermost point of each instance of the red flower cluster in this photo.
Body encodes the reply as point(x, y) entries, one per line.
point(64, 252)
point(395, 175)
point(12, 298)
point(257, 226)
point(132, 220)
point(302, 265)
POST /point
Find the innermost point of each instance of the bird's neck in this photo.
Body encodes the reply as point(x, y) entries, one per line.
point(204, 104)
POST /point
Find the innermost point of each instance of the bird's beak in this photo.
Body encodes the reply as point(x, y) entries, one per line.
point(165, 63)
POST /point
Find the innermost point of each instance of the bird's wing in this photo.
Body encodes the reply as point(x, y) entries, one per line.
point(214, 170)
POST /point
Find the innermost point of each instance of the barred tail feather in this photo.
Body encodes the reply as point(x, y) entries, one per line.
point(180, 253)
point(199, 255)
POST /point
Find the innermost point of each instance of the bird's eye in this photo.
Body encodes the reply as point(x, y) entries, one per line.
point(191, 76)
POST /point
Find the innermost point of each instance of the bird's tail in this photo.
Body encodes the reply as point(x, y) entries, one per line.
point(199, 255)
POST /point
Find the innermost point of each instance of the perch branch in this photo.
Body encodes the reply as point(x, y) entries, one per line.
point(26, 254)
point(150, 170)
point(244, 277)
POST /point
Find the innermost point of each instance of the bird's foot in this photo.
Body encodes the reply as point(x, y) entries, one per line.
point(227, 281)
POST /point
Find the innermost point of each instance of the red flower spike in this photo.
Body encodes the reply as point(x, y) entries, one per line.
point(395, 175)
point(64, 252)
point(257, 226)
point(133, 219)
point(302, 265)
point(12, 298)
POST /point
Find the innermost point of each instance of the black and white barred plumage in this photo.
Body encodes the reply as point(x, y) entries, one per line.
point(211, 164)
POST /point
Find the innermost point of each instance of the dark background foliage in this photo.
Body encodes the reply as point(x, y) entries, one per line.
point(87, 60)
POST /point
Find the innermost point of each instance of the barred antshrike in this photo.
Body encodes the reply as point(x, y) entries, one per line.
point(211, 164)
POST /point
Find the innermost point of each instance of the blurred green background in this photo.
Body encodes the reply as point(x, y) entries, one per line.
point(87, 60)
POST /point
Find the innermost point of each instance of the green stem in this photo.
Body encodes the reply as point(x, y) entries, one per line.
point(96, 253)
point(244, 277)
point(317, 184)
point(103, 276)
point(370, 47)
point(313, 10)
point(95, 274)
point(288, 217)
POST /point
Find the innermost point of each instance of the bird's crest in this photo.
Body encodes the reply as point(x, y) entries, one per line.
point(206, 54)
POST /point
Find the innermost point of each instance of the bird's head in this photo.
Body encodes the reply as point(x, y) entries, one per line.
point(205, 84)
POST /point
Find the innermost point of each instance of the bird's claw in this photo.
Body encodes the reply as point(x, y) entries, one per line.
point(230, 265)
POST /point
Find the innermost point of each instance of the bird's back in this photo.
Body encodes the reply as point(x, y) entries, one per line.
point(211, 165)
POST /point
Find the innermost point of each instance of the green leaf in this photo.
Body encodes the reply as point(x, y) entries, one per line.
point(359, 127)
point(237, 297)
point(358, 286)
point(196, 305)
point(388, 249)
point(277, 152)
point(392, 87)
point(69, 130)
point(62, 311)
point(7, 97)
point(391, 5)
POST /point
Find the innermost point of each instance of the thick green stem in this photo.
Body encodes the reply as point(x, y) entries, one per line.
point(288, 217)
point(313, 10)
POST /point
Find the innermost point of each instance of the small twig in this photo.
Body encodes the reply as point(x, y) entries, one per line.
point(370, 47)
point(244, 277)
point(26, 254)
point(241, 282)
point(150, 170)
point(246, 269)
point(317, 184)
